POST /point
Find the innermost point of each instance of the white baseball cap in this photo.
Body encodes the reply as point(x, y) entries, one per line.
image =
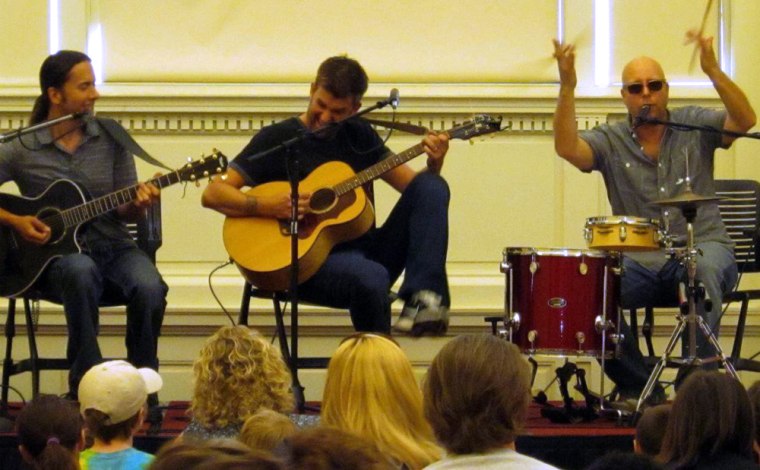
point(117, 389)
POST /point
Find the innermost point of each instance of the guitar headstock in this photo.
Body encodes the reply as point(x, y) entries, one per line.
point(479, 125)
point(205, 167)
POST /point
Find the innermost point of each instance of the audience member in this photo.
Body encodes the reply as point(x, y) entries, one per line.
point(113, 400)
point(50, 433)
point(219, 454)
point(476, 397)
point(266, 429)
point(329, 448)
point(371, 391)
point(650, 429)
point(236, 374)
point(710, 425)
point(754, 399)
point(625, 461)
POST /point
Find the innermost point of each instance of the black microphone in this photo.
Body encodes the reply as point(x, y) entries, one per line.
point(642, 117)
point(393, 101)
point(42, 125)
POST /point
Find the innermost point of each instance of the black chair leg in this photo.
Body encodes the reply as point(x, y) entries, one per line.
point(33, 354)
point(10, 333)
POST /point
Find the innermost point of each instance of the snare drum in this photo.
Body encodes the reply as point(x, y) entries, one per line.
point(555, 299)
point(622, 233)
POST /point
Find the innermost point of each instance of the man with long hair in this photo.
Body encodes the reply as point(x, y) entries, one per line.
point(81, 151)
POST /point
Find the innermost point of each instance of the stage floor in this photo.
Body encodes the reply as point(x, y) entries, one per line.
point(567, 446)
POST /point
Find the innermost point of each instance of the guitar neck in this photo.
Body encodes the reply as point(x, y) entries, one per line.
point(376, 170)
point(77, 215)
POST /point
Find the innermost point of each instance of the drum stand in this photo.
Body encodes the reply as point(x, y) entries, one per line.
point(694, 293)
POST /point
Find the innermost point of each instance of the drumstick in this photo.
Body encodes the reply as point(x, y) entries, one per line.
point(699, 35)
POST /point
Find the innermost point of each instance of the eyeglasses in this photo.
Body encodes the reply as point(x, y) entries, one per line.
point(638, 88)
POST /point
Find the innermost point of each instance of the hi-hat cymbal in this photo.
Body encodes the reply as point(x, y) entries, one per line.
point(686, 198)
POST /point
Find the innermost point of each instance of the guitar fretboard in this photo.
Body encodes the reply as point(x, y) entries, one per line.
point(82, 213)
point(373, 172)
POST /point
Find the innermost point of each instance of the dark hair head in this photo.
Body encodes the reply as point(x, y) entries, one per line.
point(754, 399)
point(711, 415)
point(53, 73)
point(96, 423)
point(624, 461)
point(329, 448)
point(651, 428)
point(342, 77)
point(49, 428)
point(476, 393)
point(222, 454)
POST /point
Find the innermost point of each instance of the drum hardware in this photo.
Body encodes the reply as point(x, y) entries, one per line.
point(622, 233)
point(568, 413)
point(691, 294)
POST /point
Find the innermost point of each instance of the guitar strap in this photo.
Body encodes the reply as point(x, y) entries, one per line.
point(120, 135)
point(401, 126)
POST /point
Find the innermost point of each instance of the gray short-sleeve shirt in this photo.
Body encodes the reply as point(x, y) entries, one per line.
point(634, 181)
point(99, 165)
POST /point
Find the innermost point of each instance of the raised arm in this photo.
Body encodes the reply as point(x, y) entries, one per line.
point(740, 115)
point(567, 143)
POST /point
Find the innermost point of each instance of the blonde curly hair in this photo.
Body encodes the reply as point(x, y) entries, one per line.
point(237, 373)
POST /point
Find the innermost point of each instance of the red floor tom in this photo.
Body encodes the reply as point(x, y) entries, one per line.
point(556, 299)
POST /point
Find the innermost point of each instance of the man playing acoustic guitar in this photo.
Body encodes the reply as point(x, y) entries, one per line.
point(359, 273)
point(81, 151)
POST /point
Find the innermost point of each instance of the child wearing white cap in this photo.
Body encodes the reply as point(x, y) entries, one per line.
point(112, 399)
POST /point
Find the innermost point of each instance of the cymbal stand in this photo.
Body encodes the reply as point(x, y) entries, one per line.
point(694, 294)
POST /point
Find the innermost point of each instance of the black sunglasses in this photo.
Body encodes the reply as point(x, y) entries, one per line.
point(637, 88)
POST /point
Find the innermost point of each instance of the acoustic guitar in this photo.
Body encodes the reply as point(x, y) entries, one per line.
point(65, 207)
point(339, 211)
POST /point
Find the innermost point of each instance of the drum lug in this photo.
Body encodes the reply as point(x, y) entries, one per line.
point(514, 322)
point(617, 338)
point(623, 233)
point(588, 235)
point(581, 338)
point(532, 337)
point(505, 266)
point(601, 326)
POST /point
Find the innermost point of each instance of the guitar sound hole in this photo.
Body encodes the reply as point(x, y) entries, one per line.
point(322, 200)
point(52, 218)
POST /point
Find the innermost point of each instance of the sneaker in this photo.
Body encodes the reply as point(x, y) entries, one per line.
point(423, 314)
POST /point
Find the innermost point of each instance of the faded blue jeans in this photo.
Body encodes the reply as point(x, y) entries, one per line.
point(358, 275)
point(114, 274)
point(641, 287)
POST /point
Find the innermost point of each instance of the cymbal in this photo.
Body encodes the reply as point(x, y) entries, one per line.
point(687, 198)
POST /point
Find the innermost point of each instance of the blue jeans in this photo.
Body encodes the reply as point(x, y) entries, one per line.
point(114, 274)
point(358, 275)
point(641, 287)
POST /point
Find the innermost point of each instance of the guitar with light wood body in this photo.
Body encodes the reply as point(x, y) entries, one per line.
point(339, 211)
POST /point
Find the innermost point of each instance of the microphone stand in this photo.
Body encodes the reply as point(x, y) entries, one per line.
point(42, 125)
point(679, 126)
point(293, 169)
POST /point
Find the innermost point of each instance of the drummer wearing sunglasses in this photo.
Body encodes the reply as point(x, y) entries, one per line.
point(643, 162)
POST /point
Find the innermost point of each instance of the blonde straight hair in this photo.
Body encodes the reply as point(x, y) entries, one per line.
point(371, 391)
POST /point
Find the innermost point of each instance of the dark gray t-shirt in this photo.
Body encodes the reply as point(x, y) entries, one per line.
point(99, 165)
